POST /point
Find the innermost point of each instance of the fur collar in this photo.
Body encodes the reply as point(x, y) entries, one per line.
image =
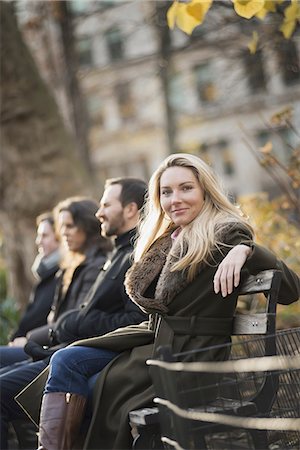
point(155, 264)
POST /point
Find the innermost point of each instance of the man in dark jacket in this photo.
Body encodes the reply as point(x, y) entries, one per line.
point(44, 269)
point(106, 306)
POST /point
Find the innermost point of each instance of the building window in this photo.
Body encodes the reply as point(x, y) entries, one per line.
point(288, 60)
point(219, 155)
point(95, 109)
point(205, 84)
point(125, 101)
point(78, 7)
point(255, 71)
point(205, 154)
point(114, 44)
point(107, 4)
point(177, 95)
point(226, 157)
point(84, 50)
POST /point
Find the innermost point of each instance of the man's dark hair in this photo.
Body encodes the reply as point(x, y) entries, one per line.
point(133, 190)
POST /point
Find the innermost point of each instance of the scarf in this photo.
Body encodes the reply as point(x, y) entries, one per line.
point(157, 262)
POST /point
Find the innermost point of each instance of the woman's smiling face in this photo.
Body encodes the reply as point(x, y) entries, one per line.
point(181, 196)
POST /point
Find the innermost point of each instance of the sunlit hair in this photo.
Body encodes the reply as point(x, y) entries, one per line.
point(45, 217)
point(198, 239)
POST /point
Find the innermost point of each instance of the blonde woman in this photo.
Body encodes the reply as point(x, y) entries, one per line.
point(189, 226)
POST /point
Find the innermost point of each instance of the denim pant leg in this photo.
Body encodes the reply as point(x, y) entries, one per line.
point(71, 368)
point(11, 355)
point(11, 383)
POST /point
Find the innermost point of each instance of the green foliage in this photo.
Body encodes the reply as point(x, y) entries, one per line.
point(9, 315)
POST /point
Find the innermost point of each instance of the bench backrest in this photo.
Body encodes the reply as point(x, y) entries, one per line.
point(267, 282)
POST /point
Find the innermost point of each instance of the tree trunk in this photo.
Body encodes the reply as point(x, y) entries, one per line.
point(77, 108)
point(39, 166)
point(165, 70)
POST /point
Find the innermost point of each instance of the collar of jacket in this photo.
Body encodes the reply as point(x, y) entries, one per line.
point(92, 252)
point(156, 264)
point(44, 267)
point(125, 239)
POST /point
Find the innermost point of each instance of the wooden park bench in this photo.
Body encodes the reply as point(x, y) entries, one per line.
point(146, 423)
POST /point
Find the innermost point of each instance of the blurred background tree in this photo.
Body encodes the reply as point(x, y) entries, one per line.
point(39, 164)
point(277, 220)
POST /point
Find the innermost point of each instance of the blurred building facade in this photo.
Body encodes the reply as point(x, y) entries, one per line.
point(220, 97)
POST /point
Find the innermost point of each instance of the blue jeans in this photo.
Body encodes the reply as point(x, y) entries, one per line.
point(11, 355)
point(11, 383)
point(71, 369)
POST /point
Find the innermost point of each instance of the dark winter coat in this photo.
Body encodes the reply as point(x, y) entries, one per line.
point(82, 280)
point(40, 301)
point(107, 305)
point(125, 384)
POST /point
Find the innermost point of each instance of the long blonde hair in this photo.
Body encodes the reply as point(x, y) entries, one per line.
point(198, 239)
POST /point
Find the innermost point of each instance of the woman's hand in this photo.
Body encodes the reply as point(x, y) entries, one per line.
point(228, 274)
point(18, 342)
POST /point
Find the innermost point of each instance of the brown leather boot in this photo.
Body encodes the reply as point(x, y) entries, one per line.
point(60, 420)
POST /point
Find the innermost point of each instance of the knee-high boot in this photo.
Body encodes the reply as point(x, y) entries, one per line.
point(60, 420)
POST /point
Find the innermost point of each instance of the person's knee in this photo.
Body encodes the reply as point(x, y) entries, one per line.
point(58, 358)
point(63, 358)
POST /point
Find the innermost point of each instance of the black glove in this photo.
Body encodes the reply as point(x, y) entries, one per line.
point(37, 351)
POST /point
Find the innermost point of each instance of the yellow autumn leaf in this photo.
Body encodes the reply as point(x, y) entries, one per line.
point(262, 14)
point(287, 28)
point(171, 15)
point(248, 8)
point(253, 43)
point(184, 20)
point(269, 6)
point(267, 148)
point(292, 12)
point(198, 9)
point(291, 16)
point(283, 116)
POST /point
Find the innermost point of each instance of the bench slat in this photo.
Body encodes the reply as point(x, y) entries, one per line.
point(250, 324)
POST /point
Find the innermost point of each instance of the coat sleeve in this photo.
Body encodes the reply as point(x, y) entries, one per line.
point(108, 308)
point(76, 324)
point(98, 322)
point(263, 259)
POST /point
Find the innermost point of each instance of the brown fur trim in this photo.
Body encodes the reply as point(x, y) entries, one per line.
point(157, 262)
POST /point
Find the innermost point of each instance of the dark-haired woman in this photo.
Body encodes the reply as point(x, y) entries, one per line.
point(85, 255)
